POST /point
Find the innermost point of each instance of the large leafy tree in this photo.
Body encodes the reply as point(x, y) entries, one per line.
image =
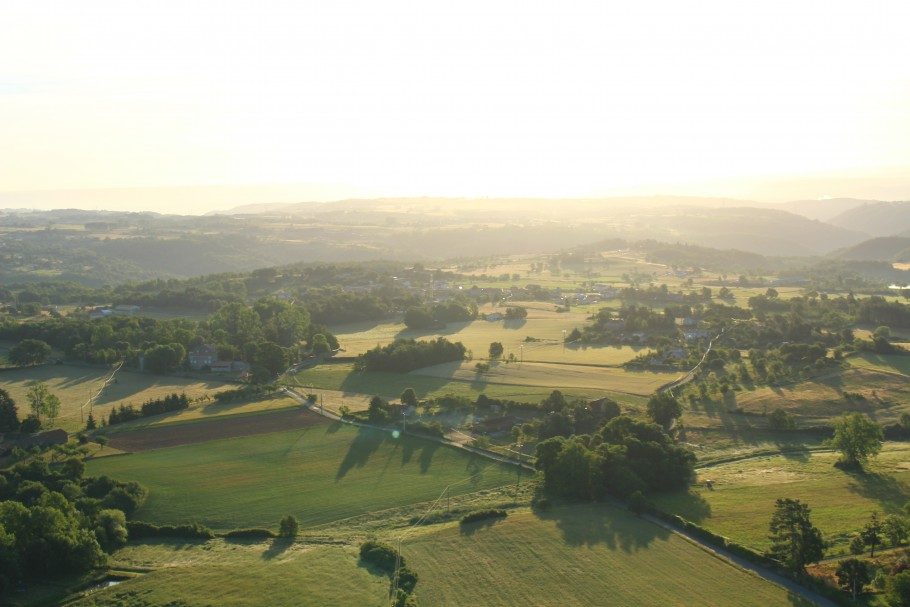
point(9, 413)
point(853, 574)
point(42, 402)
point(857, 438)
point(664, 409)
point(29, 352)
point(795, 541)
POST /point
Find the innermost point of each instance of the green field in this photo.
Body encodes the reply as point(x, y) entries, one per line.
point(576, 556)
point(277, 574)
point(549, 375)
point(75, 385)
point(319, 474)
point(342, 377)
point(742, 500)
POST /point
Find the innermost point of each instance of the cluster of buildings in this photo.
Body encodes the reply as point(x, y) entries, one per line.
point(206, 357)
point(118, 310)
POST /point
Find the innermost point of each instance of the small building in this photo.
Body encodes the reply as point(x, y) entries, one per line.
point(676, 353)
point(126, 310)
point(203, 356)
point(98, 313)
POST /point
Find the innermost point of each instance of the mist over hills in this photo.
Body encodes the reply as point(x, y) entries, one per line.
point(110, 247)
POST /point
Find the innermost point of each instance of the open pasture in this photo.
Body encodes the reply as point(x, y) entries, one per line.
point(229, 426)
point(576, 556)
point(320, 474)
point(548, 375)
point(742, 500)
point(544, 328)
point(886, 394)
point(75, 385)
point(241, 574)
point(343, 378)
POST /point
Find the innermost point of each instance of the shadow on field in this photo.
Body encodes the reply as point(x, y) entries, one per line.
point(589, 525)
point(364, 445)
point(689, 505)
point(472, 528)
point(278, 546)
point(890, 493)
point(426, 448)
point(514, 323)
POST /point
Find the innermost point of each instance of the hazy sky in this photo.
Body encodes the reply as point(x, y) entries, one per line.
point(452, 98)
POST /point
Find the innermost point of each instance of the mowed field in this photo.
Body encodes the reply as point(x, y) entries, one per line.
point(576, 556)
point(320, 473)
point(343, 378)
point(75, 385)
point(543, 325)
point(271, 574)
point(741, 503)
point(548, 375)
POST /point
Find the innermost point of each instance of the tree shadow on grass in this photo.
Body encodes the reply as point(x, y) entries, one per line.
point(887, 491)
point(690, 505)
point(364, 445)
point(334, 427)
point(472, 528)
point(278, 547)
point(426, 455)
point(593, 524)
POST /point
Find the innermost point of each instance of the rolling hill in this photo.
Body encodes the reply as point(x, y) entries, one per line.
point(876, 219)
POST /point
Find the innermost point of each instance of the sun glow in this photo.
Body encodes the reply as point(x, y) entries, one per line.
point(465, 98)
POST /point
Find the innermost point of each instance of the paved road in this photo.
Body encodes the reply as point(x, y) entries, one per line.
point(735, 560)
point(742, 563)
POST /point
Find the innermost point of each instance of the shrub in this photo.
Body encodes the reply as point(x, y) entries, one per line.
point(482, 515)
point(380, 555)
point(138, 530)
point(288, 527)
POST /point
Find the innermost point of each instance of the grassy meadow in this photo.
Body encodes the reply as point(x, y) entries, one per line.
point(75, 385)
point(319, 474)
point(741, 502)
point(576, 556)
point(548, 375)
point(235, 574)
point(342, 377)
point(543, 326)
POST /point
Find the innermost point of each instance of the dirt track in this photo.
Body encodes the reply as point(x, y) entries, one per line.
point(223, 427)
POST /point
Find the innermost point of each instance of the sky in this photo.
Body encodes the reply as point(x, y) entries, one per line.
point(321, 100)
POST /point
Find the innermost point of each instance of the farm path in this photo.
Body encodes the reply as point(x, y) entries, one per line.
point(442, 441)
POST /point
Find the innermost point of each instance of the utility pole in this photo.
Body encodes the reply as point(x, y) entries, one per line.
point(518, 484)
point(521, 354)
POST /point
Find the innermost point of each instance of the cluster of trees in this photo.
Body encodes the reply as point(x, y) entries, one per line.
point(267, 335)
point(605, 328)
point(390, 561)
point(54, 521)
point(157, 406)
point(438, 314)
point(29, 352)
point(408, 354)
point(624, 457)
point(516, 313)
point(43, 404)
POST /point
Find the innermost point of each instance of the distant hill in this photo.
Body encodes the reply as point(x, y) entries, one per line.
point(824, 209)
point(889, 248)
point(876, 219)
